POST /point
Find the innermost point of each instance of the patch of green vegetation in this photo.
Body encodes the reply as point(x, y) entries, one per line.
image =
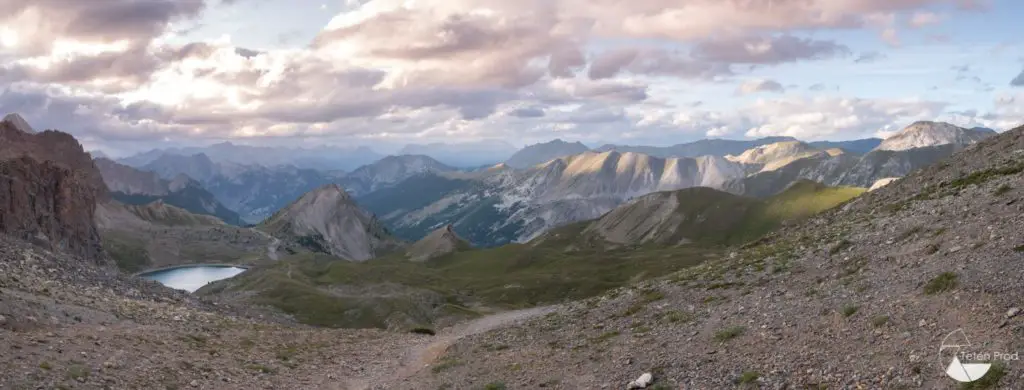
point(512, 276)
point(1019, 248)
point(850, 310)
point(946, 281)
point(980, 177)
point(46, 366)
point(286, 354)
point(675, 316)
point(729, 333)
point(606, 336)
point(839, 246)
point(495, 386)
point(879, 321)
point(748, 377)
point(78, 372)
point(990, 380)
point(652, 296)
point(446, 364)
point(1002, 189)
point(801, 200)
point(261, 368)
point(129, 253)
point(495, 348)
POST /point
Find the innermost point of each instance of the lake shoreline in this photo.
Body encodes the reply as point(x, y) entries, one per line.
point(174, 267)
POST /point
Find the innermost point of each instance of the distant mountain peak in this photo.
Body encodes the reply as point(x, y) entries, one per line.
point(19, 123)
point(773, 156)
point(438, 243)
point(922, 134)
point(327, 220)
point(541, 153)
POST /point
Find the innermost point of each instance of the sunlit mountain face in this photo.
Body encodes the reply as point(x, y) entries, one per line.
point(485, 77)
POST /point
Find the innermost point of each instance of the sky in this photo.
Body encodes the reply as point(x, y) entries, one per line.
point(126, 76)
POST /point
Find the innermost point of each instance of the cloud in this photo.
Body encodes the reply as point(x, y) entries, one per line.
point(755, 86)
point(829, 117)
point(767, 50)
point(42, 24)
point(1018, 81)
point(122, 70)
point(922, 19)
point(869, 56)
point(527, 112)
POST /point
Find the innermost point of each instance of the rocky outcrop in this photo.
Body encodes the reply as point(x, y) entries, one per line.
point(439, 243)
point(774, 156)
point(48, 191)
point(327, 220)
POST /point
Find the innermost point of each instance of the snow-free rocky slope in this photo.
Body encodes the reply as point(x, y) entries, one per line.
point(925, 134)
point(858, 297)
point(388, 171)
point(700, 214)
point(497, 206)
point(158, 234)
point(327, 220)
point(440, 242)
point(500, 206)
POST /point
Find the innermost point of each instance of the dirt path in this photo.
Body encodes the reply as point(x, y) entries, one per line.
point(272, 246)
point(421, 355)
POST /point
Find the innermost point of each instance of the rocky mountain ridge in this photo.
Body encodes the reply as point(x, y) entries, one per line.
point(927, 134)
point(327, 220)
point(49, 188)
point(136, 187)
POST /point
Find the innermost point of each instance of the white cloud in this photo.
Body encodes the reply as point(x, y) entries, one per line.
point(755, 86)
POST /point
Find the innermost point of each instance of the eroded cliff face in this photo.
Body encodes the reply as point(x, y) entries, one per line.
point(49, 188)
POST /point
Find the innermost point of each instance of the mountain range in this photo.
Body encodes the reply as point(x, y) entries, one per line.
point(499, 206)
point(552, 184)
point(136, 187)
point(692, 287)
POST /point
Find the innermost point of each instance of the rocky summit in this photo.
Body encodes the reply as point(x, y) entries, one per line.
point(48, 191)
point(327, 220)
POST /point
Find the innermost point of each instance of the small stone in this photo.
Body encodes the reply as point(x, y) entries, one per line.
point(922, 323)
point(642, 382)
point(1013, 312)
point(3, 320)
point(194, 383)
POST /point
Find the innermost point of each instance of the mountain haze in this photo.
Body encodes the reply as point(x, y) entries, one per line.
point(541, 153)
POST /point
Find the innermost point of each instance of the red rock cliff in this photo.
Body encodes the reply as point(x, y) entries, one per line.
point(49, 187)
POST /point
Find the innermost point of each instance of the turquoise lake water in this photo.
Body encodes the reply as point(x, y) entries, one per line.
point(192, 278)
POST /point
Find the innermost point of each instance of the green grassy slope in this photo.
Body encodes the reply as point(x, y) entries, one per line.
point(396, 292)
